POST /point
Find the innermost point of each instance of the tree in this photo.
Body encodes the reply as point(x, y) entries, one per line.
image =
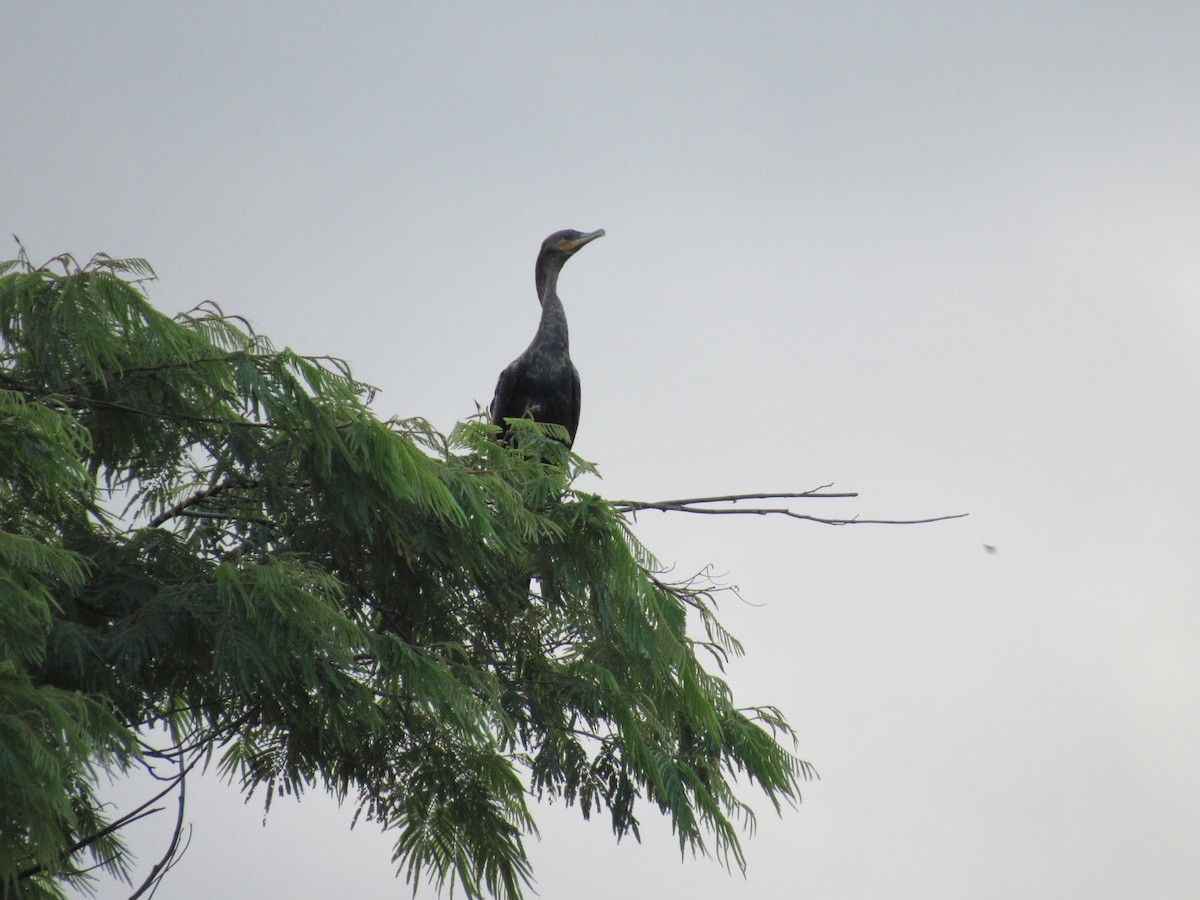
point(207, 538)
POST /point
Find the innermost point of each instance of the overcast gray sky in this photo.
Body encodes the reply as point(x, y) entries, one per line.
point(946, 255)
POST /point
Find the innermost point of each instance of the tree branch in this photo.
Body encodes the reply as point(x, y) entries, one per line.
point(78, 402)
point(198, 497)
point(172, 854)
point(734, 498)
point(140, 813)
point(699, 506)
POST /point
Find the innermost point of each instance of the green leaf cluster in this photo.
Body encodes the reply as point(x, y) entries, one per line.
point(202, 533)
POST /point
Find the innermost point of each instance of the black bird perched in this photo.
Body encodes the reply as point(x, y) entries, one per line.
point(543, 382)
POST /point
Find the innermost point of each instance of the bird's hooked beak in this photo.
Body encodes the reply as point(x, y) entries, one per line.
point(573, 245)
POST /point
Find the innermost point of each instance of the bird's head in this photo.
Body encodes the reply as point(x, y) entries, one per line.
point(556, 250)
point(565, 243)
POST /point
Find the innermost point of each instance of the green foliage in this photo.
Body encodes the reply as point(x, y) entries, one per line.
point(200, 532)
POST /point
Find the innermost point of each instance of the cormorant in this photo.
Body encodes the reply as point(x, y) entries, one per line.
point(543, 382)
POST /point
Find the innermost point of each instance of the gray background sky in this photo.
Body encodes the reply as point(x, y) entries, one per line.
point(946, 255)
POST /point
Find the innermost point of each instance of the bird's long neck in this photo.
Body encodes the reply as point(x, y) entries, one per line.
point(546, 275)
point(552, 330)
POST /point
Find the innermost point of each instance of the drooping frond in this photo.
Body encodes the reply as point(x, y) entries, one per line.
point(205, 533)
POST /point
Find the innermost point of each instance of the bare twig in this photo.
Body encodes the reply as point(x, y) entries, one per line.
point(78, 402)
point(672, 505)
point(134, 815)
point(225, 517)
point(699, 506)
point(198, 497)
point(140, 813)
point(170, 857)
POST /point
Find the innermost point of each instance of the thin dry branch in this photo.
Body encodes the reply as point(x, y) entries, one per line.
point(734, 498)
point(75, 401)
point(699, 506)
point(141, 812)
point(198, 497)
point(173, 851)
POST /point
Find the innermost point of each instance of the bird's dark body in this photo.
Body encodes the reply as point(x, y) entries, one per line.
point(546, 390)
point(542, 382)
